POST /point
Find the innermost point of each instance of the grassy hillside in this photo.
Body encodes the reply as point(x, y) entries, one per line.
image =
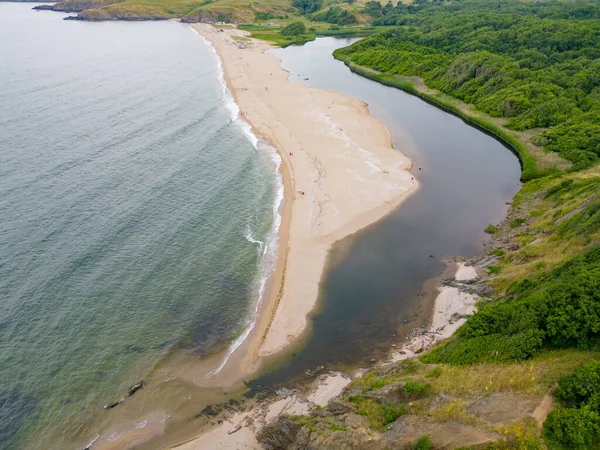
point(273, 14)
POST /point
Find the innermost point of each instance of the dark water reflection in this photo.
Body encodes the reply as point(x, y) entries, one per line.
point(374, 287)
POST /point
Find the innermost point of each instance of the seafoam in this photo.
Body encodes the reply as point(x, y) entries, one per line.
point(268, 249)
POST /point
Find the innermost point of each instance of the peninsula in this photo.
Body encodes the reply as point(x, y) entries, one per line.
point(340, 171)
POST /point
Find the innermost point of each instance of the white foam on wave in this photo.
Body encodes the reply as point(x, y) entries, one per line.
point(250, 238)
point(92, 442)
point(269, 248)
point(266, 263)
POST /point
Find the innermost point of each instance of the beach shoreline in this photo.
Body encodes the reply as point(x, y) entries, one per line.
point(333, 125)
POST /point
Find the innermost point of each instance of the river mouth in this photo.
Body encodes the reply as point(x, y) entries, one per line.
point(380, 282)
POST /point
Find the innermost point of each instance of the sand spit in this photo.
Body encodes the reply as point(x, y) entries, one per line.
point(340, 170)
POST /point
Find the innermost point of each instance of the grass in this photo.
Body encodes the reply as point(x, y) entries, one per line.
point(404, 370)
point(451, 390)
point(534, 376)
point(379, 415)
point(565, 223)
point(453, 411)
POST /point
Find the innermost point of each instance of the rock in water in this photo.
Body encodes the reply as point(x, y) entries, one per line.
point(112, 405)
point(136, 387)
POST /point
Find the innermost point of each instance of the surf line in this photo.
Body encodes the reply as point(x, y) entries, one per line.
point(268, 249)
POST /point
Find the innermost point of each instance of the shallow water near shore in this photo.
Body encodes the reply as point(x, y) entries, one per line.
point(137, 216)
point(373, 292)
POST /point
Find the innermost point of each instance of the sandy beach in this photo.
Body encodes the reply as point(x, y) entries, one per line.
point(340, 171)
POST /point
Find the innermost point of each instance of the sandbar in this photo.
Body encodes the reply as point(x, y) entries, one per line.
point(340, 169)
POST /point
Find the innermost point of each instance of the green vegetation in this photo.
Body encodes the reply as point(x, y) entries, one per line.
point(534, 65)
point(488, 397)
point(490, 229)
point(434, 373)
point(424, 443)
point(558, 310)
point(294, 29)
point(336, 15)
point(576, 424)
point(379, 414)
point(307, 6)
point(273, 34)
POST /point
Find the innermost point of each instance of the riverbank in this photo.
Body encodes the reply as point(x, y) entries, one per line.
point(338, 179)
point(250, 425)
point(534, 162)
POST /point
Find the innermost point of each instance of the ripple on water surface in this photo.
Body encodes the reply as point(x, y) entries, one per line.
point(127, 196)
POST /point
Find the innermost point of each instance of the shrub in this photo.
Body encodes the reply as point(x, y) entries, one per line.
point(490, 229)
point(494, 270)
point(416, 390)
point(572, 429)
point(335, 15)
point(580, 387)
point(307, 6)
point(423, 443)
point(294, 29)
point(515, 223)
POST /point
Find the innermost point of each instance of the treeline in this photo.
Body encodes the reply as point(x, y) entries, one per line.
point(536, 64)
point(335, 15)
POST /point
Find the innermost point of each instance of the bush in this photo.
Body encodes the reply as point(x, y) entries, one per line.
point(423, 443)
point(572, 429)
point(416, 390)
point(494, 270)
point(490, 229)
point(294, 29)
point(307, 6)
point(581, 387)
point(262, 15)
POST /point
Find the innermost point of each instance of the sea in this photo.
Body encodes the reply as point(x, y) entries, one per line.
point(138, 215)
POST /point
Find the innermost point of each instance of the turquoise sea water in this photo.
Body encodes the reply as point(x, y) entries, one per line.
point(137, 214)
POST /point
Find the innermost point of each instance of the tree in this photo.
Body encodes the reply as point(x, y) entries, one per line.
point(307, 6)
point(294, 29)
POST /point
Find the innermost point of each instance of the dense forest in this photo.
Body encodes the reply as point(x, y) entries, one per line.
point(535, 64)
